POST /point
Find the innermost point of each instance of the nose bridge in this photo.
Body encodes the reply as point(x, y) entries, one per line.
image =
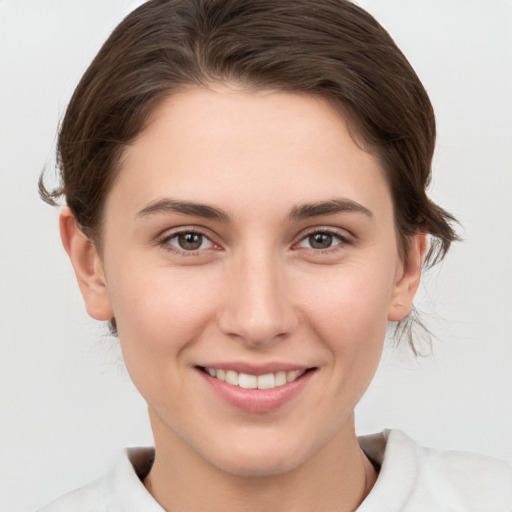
point(257, 306)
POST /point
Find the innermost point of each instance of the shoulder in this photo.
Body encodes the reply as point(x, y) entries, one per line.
point(86, 499)
point(472, 475)
point(121, 490)
point(421, 478)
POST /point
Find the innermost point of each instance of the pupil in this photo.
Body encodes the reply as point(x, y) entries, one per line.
point(190, 241)
point(320, 240)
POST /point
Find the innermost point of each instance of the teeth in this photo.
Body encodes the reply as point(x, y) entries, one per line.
point(291, 376)
point(280, 378)
point(232, 377)
point(247, 381)
point(267, 381)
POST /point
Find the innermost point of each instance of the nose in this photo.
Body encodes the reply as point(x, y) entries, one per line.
point(257, 308)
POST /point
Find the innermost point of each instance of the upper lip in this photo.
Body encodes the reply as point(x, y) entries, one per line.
point(256, 369)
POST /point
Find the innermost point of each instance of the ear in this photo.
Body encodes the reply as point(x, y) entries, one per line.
point(87, 265)
point(407, 279)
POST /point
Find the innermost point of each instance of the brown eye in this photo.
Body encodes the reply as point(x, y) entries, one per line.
point(323, 240)
point(320, 240)
point(189, 241)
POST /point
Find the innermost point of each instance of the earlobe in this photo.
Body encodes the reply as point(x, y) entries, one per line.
point(87, 265)
point(408, 279)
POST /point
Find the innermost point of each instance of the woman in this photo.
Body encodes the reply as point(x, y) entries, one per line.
point(246, 206)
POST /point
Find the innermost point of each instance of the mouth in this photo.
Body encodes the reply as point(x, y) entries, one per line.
point(257, 392)
point(248, 381)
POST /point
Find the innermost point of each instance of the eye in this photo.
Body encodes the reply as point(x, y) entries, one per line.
point(322, 240)
point(188, 241)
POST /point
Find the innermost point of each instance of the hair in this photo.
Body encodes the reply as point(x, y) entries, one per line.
point(331, 49)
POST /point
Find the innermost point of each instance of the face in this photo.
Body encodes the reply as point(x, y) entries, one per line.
point(250, 260)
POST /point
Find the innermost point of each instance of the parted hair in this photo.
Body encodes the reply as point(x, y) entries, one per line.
point(332, 49)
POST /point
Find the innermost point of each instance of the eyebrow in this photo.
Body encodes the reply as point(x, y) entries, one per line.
point(184, 208)
point(300, 212)
point(330, 207)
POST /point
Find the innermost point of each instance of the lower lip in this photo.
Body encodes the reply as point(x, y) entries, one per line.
point(257, 400)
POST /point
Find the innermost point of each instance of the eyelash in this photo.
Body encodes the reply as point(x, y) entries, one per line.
point(343, 241)
point(165, 241)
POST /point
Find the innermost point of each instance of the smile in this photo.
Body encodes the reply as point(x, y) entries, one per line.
point(260, 389)
point(247, 381)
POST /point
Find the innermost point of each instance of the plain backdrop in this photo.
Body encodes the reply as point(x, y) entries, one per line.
point(67, 405)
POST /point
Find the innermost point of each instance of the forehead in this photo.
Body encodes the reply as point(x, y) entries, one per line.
point(240, 147)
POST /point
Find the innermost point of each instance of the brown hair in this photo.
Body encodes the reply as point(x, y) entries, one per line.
point(329, 48)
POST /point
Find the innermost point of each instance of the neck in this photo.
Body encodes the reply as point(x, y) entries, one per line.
point(338, 477)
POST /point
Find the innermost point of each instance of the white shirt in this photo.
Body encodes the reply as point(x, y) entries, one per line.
point(411, 479)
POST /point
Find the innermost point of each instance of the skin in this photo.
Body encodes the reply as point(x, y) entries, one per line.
point(256, 291)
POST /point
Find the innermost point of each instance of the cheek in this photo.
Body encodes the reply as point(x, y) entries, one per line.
point(160, 315)
point(355, 301)
point(160, 311)
point(350, 316)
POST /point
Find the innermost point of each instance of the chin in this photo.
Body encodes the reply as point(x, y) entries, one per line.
point(259, 459)
point(257, 466)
